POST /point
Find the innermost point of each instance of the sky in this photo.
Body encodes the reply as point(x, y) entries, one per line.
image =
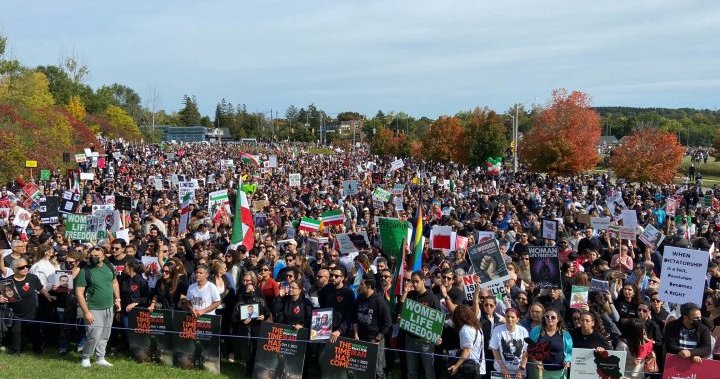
point(425, 58)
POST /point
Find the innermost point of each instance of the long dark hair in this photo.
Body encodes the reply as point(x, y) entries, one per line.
point(464, 315)
point(633, 335)
point(174, 277)
point(599, 327)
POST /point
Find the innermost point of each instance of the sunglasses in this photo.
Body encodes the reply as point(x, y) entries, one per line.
point(166, 271)
point(24, 267)
point(335, 276)
point(550, 317)
point(265, 269)
point(643, 310)
point(656, 300)
point(448, 277)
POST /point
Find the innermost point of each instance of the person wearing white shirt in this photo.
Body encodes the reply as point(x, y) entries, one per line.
point(46, 266)
point(203, 295)
point(508, 345)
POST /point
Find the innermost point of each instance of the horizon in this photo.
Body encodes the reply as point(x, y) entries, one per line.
point(420, 58)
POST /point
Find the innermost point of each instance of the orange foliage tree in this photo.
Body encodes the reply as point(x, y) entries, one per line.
point(445, 141)
point(648, 155)
point(564, 139)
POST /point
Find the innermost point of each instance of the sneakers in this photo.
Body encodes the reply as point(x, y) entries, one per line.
point(85, 363)
point(103, 363)
point(80, 349)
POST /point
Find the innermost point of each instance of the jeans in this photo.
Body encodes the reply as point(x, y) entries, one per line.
point(98, 334)
point(423, 356)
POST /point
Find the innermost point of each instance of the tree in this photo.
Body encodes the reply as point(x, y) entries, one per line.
point(13, 157)
point(125, 98)
point(564, 139)
point(189, 114)
point(7, 66)
point(648, 156)
point(76, 108)
point(29, 89)
point(444, 140)
point(487, 136)
point(121, 124)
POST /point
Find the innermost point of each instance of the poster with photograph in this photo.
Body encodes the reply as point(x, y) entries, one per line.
point(488, 263)
point(8, 291)
point(61, 281)
point(321, 324)
point(591, 364)
point(196, 343)
point(148, 336)
point(652, 237)
point(152, 270)
point(545, 266)
point(249, 311)
point(550, 229)
point(280, 351)
point(348, 358)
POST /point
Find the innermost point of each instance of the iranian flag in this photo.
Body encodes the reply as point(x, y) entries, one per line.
point(243, 231)
point(248, 158)
point(309, 224)
point(334, 217)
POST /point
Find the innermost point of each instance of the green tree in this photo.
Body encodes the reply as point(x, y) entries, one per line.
point(7, 66)
point(121, 124)
point(28, 89)
point(189, 114)
point(125, 98)
point(487, 135)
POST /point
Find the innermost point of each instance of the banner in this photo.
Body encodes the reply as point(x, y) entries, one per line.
point(589, 364)
point(679, 368)
point(545, 266)
point(682, 278)
point(49, 212)
point(280, 351)
point(194, 346)
point(422, 321)
point(148, 338)
point(392, 234)
point(348, 358)
point(77, 228)
point(488, 264)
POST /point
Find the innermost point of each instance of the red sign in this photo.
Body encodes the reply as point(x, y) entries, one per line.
point(681, 368)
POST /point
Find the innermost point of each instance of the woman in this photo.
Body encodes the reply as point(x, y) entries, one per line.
point(638, 346)
point(294, 309)
point(471, 362)
point(134, 290)
point(268, 286)
point(591, 333)
point(236, 266)
point(551, 338)
point(170, 289)
point(622, 262)
point(521, 304)
point(627, 303)
point(534, 316)
point(508, 346)
point(653, 332)
point(218, 277)
point(245, 346)
point(27, 287)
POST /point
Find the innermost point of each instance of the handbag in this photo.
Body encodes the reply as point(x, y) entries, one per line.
point(651, 363)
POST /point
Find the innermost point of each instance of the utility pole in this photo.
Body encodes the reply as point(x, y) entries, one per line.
point(515, 138)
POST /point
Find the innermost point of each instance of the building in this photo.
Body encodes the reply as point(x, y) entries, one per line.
point(193, 133)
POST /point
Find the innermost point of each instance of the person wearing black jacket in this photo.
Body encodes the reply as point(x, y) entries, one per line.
point(422, 295)
point(293, 309)
point(134, 292)
point(687, 336)
point(341, 299)
point(372, 319)
point(246, 345)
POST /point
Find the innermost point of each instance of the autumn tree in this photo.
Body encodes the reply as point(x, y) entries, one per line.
point(487, 135)
point(565, 137)
point(445, 140)
point(76, 107)
point(121, 123)
point(648, 156)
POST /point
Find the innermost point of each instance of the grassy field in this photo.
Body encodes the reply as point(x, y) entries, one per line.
point(49, 365)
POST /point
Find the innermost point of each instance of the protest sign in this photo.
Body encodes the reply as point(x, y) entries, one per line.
point(398, 203)
point(682, 278)
point(22, 218)
point(470, 282)
point(482, 236)
point(348, 358)
point(352, 242)
point(442, 237)
point(613, 231)
point(69, 202)
point(218, 204)
point(87, 176)
point(550, 229)
point(280, 351)
point(80, 158)
point(461, 242)
point(321, 324)
point(158, 184)
point(615, 204)
point(196, 345)
point(249, 311)
point(396, 164)
point(597, 285)
point(651, 237)
point(382, 194)
point(683, 368)
point(422, 321)
point(9, 291)
point(627, 233)
point(488, 265)
point(545, 266)
point(350, 187)
point(152, 270)
point(398, 189)
point(186, 190)
point(392, 234)
point(148, 337)
point(49, 212)
point(591, 364)
point(61, 281)
point(4, 216)
point(77, 227)
point(44, 174)
point(579, 296)
point(629, 218)
point(295, 180)
point(123, 203)
point(671, 206)
point(600, 223)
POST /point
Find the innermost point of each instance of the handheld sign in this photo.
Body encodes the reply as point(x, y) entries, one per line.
point(422, 321)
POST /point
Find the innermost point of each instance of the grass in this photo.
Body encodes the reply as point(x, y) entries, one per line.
point(710, 171)
point(321, 151)
point(50, 365)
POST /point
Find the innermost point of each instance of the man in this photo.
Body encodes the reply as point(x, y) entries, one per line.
point(321, 280)
point(19, 249)
point(589, 241)
point(450, 296)
point(119, 257)
point(372, 319)
point(203, 295)
point(96, 297)
point(338, 296)
point(687, 336)
point(420, 294)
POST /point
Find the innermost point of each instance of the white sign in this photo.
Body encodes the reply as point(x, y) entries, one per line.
point(629, 218)
point(350, 187)
point(273, 161)
point(584, 364)
point(627, 233)
point(295, 180)
point(682, 279)
point(158, 184)
point(87, 176)
point(397, 164)
point(652, 237)
point(185, 188)
point(600, 223)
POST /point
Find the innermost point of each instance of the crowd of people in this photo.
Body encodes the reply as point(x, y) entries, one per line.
point(202, 272)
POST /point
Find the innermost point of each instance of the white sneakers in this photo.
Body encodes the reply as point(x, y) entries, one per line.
point(103, 363)
point(85, 363)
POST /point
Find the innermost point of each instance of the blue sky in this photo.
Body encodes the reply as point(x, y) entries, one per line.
point(421, 57)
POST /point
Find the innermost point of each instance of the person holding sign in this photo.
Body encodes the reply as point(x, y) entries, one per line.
point(414, 343)
point(687, 336)
point(509, 347)
point(372, 319)
point(551, 348)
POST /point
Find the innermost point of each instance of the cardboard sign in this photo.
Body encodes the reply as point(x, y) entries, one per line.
point(682, 278)
point(350, 187)
point(78, 227)
point(422, 321)
point(597, 285)
point(295, 180)
point(392, 234)
point(545, 266)
point(80, 158)
point(589, 364)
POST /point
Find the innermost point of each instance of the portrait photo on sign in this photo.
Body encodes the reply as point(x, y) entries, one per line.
point(550, 229)
point(8, 291)
point(61, 281)
point(321, 324)
point(249, 311)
